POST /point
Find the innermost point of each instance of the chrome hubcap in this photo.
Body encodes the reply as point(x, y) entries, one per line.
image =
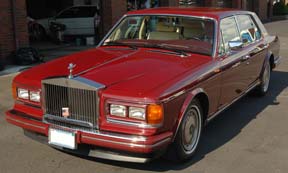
point(191, 130)
point(266, 78)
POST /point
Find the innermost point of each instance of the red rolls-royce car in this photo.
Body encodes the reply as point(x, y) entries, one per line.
point(151, 85)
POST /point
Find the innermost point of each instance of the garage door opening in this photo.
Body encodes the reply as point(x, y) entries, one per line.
point(63, 21)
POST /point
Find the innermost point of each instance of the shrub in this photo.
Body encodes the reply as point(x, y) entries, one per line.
point(280, 8)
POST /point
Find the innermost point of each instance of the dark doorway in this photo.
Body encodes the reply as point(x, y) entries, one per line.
point(38, 9)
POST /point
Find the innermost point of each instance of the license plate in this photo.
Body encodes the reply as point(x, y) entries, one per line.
point(62, 138)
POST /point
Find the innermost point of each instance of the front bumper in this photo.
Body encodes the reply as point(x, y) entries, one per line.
point(98, 144)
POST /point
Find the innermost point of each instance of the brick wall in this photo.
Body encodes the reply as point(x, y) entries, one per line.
point(166, 3)
point(112, 11)
point(263, 9)
point(8, 41)
point(82, 2)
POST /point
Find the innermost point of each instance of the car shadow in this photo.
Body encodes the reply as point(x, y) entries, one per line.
point(221, 130)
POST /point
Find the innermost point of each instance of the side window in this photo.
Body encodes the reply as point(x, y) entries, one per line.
point(248, 30)
point(229, 31)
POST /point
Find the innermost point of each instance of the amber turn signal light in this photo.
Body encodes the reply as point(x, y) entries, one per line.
point(14, 91)
point(155, 114)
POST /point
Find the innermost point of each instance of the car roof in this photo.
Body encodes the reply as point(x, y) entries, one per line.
point(210, 12)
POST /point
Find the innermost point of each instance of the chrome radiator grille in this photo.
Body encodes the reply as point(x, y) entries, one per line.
point(81, 100)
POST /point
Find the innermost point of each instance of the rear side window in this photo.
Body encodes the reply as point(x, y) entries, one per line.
point(249, 32)
point(229, 31)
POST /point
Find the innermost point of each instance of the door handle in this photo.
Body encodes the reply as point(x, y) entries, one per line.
point(246, 57)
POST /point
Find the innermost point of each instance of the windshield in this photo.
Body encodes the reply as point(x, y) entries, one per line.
point(189, 34)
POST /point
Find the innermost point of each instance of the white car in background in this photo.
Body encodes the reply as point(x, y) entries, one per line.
point(79, 20)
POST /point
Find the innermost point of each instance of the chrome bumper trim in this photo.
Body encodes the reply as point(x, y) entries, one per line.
point(25, 123)
point(126, 123)
point(96, 153)
point(117, 157)
point(129, 144)
point(277, 61)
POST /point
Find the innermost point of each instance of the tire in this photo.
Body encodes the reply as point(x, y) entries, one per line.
point(187, 138)
point(263, 87)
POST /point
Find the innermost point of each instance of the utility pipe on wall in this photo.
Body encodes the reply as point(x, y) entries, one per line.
point(13, 9)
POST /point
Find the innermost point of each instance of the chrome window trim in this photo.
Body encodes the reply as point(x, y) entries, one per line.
point(215, 39)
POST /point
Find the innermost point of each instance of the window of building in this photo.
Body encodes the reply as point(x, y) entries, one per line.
point(141, 4)
point(190, 2)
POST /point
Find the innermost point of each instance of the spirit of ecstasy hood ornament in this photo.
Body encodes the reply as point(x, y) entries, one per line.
point(71, 66)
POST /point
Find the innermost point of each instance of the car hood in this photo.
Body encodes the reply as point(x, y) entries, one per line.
point(119, 68)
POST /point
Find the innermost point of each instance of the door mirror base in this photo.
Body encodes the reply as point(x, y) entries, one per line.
point(235, 45)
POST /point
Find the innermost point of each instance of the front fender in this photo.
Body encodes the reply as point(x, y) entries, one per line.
point(190, 96)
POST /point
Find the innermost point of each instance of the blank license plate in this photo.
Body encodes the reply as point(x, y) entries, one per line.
point(62, 138)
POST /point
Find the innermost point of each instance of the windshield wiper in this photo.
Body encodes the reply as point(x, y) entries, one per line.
point(180, 52)
point(116, 43)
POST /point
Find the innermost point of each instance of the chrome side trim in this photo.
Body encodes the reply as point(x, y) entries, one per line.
point(235, 100)
point(140, 125)
point(173, 96)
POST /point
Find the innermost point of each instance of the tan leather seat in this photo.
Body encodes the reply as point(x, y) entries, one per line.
point(163, 36)
point(163, 32)
point(192, 29)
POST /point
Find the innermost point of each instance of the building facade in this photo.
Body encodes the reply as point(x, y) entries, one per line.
point(14, 31)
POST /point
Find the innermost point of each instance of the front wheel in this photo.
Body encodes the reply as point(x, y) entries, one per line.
point(262, 89)
point(189, 132)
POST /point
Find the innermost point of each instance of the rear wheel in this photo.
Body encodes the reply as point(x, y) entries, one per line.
point(189, 132)
point(263, 88)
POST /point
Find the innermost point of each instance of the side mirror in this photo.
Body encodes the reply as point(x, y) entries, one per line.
point(235, 45)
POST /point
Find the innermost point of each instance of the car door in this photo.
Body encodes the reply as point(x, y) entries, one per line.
point(78, 20)
point(254, 47)
point(232, 69)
